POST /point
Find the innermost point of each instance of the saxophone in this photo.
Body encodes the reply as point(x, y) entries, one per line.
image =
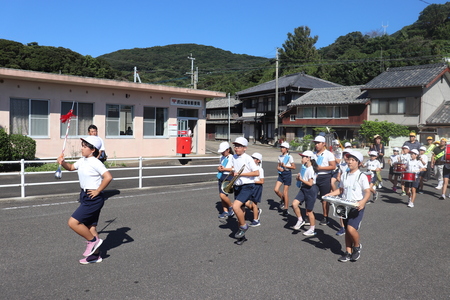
point(228, 185)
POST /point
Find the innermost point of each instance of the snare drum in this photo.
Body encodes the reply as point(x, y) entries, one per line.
point(408, 177)
point(399, 168)
point(369, 176)
point(447, 154)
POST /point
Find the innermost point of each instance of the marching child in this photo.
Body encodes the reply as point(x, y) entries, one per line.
point(307, 193)
point(424, 159)
point(393, 160)
point(285, 167)
point(353, 186)
point(257, 192)
point(343, 168)
point(85, 218)
point(373, 165)
point(245, 184)
point(224, 171)
point(413, 166)
point(404, 159)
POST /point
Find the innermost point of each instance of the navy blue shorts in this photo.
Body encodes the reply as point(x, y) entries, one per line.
point(285, 177)
point(334, 174)
point(307, 195)
point(354, 218)
point(243, 193)
point(391, 170)
point(88, 212)
point(446, 172)
point(323, 182)
point(414, 184)
point(257, 193)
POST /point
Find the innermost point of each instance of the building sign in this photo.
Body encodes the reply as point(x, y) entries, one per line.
point(186, 102)
point(173, 129)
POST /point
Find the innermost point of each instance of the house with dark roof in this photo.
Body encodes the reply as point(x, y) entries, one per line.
point(222, 115)
point(439, 121)
point(258, 112)
point(342, 108)
point(409, 95)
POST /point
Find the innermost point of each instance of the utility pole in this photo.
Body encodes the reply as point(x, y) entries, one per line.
point(192, 70)
point(276, 102)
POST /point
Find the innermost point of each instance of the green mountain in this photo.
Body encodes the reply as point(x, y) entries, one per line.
point(169, 65)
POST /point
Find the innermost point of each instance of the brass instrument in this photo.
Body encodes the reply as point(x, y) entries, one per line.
point(228, 185)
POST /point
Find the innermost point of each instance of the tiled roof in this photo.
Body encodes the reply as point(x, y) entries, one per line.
point(298, 80)
point(333, 95)
point(441, 115)
point(412, 76)
point(222, 102)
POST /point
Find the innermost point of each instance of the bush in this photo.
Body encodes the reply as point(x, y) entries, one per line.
point(5, 146)
point(22, 147)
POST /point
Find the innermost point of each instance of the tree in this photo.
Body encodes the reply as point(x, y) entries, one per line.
point(299, 49)
point(384, 128)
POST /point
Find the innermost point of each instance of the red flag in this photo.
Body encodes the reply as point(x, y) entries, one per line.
point(67, 117)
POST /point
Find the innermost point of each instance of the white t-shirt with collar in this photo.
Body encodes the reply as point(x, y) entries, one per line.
point(90, 171)
point(354, 185)
point(238, 161)
point(323, 160)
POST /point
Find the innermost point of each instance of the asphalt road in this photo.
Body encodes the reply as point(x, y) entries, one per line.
point(166, 242)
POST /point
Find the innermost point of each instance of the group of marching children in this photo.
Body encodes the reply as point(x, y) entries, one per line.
point(319, 174)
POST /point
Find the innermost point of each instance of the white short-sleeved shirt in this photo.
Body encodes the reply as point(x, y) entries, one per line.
point(323, 160)
point(261, 173)
point(394, 159)
point(414, 166)
point(343, 167)
point(309, 173)
point(238, 161)
point(404, 158)
point(229, 163)
point(424, 160)
point(90, 171)
point(372, 165)
point(354, 185)
point(286, 157)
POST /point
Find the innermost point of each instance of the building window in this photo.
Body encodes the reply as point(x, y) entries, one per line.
point(155, 121)
point(29, 117)
point(187, 113)
point(84, 116)
point(292, 118)
point(389, 106)
point(218, 114)
point(119, 120)
point(322, 112)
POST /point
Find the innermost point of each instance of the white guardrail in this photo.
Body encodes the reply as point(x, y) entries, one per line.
point(140, 168)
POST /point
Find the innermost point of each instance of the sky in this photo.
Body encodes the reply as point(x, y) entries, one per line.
point(250, 27)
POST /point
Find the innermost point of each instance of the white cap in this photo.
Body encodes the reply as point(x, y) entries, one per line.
point(347, 144)
point(320, 139)
point(285, 145)
point(423, 148)
point(93, 140)
point(346, 150)
point(356, 154)
point(309, 154)
point(258, 156)
point(223, 146)
point(335, 142)
point(241, 141)
point(415, 151)
point(373, 153)
point(404, 146)
point(396, 149)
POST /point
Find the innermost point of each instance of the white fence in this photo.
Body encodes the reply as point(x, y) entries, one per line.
point(23, 182)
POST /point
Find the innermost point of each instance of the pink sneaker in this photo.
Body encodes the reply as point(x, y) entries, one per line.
point(92, 246)
point(394, 189)
point(92, 259)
